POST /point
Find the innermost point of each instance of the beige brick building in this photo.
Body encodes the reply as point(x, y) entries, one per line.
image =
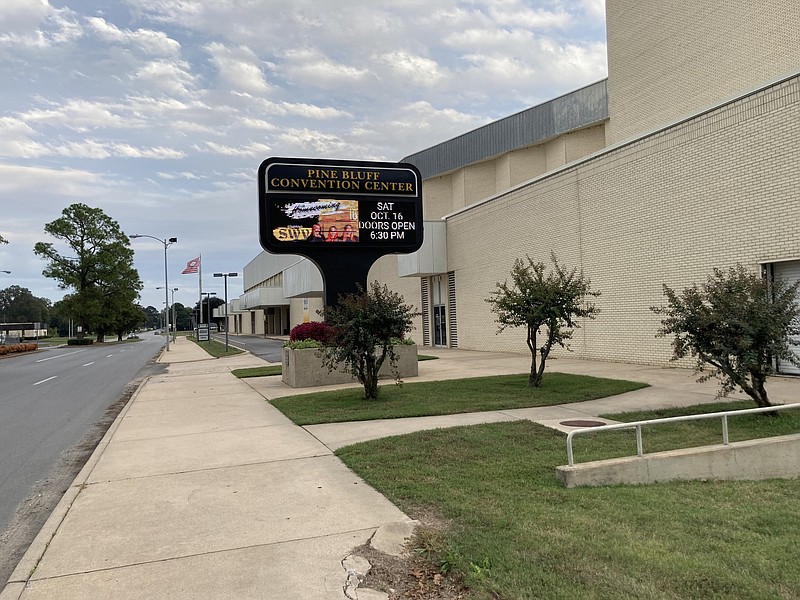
point(686, 158)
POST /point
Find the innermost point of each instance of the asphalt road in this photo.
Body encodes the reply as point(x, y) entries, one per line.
point(55, 406)
point(265, 348)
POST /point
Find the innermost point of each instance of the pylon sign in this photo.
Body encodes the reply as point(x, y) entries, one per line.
point(341, 214)
point(339, 205)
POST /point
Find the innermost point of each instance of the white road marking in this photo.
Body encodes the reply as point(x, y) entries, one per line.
point(59, 356)
point(43, 380)
point(88, 364)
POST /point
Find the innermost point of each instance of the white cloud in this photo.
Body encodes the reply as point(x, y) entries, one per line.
point(23, 17)
point(77, 114)
point(167, 76)
point(239, 67)
point(419, 69)
point(252, 150)
point(181, 175)
point(306, 67)
point(97, 149)
point(151, 42)
point(36, 24)
point(20, 182)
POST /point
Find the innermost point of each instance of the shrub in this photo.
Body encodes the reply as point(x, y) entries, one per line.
point(313, 330)
point(80, 342)
point(303, 344)
point(3, 350)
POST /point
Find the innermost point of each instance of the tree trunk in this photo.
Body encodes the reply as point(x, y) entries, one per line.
point(534, 379)
point(759, 392)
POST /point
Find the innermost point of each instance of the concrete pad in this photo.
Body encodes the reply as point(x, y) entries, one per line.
point(165, 387)
point(308, 569)
point(337, 435)
point(155, 420)
point(165, 517)
point(209, 450)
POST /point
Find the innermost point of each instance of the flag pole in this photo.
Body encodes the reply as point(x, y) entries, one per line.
point(200, 287)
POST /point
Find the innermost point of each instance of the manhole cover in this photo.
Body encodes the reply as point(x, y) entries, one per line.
point(582, 423)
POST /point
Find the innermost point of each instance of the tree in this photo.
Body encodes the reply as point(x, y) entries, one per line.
point(553, 301)
point(154, 319)
point(100, 269)
point(736, 322)
point(59, 319)
point(19, 305)
point(365, 326)
point(183, 317)
point(209, 304)
point(127, 318)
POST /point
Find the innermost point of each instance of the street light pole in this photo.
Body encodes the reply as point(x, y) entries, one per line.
point(167, 243)
point(226, 275)
point(174, 318)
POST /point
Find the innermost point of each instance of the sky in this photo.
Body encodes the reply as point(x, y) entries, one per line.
point(159, 112)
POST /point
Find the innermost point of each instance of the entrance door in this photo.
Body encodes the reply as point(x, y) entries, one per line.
point(439, 326)
point(438, 300)
point(790, 271)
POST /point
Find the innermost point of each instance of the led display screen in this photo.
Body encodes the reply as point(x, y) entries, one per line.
point(320, 205)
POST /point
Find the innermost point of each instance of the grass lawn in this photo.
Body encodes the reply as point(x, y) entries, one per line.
point(215, 348)
point(448, 397)
point(257, 371)
point(515, 533)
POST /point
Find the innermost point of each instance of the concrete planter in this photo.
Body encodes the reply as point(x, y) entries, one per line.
point(303, 368)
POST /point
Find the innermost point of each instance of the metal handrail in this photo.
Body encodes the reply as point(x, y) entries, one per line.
point(638, 425)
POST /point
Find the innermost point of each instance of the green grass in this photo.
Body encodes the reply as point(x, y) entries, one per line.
point(257, 371)
point(448, 397)
point(215, 348)
point(515, 533)
point(421, 357)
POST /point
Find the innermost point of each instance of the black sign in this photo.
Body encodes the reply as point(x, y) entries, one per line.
point(308, 206)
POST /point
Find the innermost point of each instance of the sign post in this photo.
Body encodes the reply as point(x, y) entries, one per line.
point(342, 215)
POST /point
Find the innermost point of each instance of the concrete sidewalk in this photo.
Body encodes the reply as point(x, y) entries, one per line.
point(201, 489)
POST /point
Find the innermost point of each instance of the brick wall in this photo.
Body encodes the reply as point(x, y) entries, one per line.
point(670, 59)
point(721, 188)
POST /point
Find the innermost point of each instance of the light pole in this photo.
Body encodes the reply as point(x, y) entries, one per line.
point(167, 243)
point(208, 303)
point(226, 275)
point(4, 306)
point(174, 319)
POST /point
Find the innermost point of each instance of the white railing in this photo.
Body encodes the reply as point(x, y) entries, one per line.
point(639, 424)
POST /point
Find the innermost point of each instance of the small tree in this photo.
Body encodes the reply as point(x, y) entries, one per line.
point(536, 300)
point(365, 326)
point(738, 323)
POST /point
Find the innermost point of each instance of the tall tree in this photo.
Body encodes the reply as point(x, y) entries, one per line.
point(19, 305)
point(549, 304)
point(99, 266)
point(153, 317)
point(738, 324)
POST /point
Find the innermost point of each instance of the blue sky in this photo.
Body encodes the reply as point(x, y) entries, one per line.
point(160, 111)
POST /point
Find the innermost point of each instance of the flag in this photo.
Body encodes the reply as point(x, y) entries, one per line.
point(193, 266)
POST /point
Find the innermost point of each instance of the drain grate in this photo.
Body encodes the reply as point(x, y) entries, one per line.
point(581, 423)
